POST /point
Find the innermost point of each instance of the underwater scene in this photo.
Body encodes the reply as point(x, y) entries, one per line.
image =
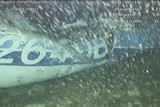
point(79, 53)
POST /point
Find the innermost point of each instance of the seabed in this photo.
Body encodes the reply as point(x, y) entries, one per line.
point(133, 82)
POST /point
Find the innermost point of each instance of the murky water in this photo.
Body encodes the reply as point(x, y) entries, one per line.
point(132, 82)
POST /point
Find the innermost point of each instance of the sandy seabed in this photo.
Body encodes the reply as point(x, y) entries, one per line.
point(134, 82)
